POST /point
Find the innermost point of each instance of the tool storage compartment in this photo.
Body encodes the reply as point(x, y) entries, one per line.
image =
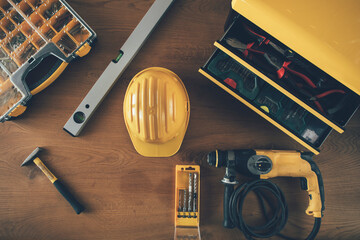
point(30, 32)
point(290, 73)
point(266, 100)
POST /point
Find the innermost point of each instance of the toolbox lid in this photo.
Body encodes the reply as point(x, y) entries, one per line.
point(326, 33)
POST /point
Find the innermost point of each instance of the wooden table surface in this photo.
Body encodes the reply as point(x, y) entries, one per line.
point(128, 196)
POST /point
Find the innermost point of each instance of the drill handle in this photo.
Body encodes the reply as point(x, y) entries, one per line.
point(228, 191)
point(296, 164)
point(315, 189)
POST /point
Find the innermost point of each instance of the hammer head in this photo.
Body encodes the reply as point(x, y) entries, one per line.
point(31, 157)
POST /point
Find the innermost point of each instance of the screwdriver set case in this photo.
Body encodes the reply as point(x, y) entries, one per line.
point(302, 98)
point(187, 202)
point(38, 38)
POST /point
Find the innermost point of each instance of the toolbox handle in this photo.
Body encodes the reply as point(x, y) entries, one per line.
point(56, 67)
point(42, 71)
point(50, 76)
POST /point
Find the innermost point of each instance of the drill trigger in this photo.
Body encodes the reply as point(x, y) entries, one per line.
point(303, 183)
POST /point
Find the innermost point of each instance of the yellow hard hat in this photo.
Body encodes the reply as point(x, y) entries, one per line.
point(156, 112)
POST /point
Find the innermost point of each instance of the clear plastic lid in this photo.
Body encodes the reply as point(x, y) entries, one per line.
point(9, 94)
point(26, 26)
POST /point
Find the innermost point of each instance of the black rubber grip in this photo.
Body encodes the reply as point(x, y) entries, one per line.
point(69, 197)
point(229, 189)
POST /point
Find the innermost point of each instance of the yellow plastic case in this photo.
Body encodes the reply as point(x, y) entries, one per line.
point(313, 45)
point(38, 38)
point(187, 221)
point(324, 33)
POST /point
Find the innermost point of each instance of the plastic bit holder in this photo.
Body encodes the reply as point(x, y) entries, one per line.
point(187, 202)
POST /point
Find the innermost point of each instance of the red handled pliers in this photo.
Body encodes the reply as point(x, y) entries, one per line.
point(282, 66)
point(243, 47)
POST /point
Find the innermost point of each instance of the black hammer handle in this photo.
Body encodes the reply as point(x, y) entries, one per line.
point(69, 197)
point(229, 189)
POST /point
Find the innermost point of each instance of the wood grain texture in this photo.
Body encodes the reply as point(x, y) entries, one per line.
point(128, 196)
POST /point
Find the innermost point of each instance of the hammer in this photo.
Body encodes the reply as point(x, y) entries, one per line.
point(59, 186)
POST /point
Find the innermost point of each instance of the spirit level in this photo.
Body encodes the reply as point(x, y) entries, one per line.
point(101, 88)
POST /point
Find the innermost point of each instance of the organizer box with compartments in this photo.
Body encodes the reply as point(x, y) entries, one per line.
point(293, 65)
point(38, 39)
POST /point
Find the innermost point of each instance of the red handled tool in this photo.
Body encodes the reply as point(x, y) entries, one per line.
point(281, 64)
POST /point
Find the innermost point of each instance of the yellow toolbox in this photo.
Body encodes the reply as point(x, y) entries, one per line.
point(38, 39)
point(187, 202)
point(294, 65)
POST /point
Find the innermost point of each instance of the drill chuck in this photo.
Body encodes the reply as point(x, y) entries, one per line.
point(217, 158)
point(243, 161)
point(211, 159)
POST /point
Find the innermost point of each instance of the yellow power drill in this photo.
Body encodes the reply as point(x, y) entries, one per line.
point(265, 164)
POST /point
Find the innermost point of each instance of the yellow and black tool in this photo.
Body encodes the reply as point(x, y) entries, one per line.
point(265, 164)
point(59, 186)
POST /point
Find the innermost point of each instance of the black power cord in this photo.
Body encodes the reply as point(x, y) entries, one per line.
point(276, 223)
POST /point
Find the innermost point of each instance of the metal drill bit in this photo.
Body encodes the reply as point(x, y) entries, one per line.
point(195, 192)
point(180, 208)
point(190, 193)
point(184, 200)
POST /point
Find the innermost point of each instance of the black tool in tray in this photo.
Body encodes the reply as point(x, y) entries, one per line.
point(267, 99)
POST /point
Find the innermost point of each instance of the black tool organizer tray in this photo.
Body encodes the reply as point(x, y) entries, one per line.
point(32, 31)
point(266, 99)
point(341, 106)
point(248, 76)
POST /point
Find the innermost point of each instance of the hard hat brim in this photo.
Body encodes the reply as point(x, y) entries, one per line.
point(167, 149)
